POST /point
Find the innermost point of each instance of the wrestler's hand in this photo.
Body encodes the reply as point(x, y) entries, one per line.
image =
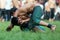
point(23, 21)
point(19, 20)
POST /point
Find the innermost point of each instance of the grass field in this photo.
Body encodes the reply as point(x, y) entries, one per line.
point(16, 34)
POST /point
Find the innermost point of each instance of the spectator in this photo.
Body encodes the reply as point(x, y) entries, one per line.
point(47, 10)
point(2, 10)
point(57, 12)
point(52, 5)
point(57, 2)
point(8, 8)
point(15, 3)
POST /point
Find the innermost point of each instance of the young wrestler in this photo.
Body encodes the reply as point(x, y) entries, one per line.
point(21, 17)
point(35, 20)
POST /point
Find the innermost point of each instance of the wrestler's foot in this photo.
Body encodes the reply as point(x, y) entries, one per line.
point(8, 29)
point(53, 27)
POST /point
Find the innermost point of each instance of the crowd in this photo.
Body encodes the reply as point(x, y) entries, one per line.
point(8, 7)
point(52, 8)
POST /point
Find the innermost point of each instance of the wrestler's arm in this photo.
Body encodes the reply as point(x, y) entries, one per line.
point(25, 20)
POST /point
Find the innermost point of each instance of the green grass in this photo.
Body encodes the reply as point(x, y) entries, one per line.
point(16, 34)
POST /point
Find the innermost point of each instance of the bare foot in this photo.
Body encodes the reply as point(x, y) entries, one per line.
point(53, 27)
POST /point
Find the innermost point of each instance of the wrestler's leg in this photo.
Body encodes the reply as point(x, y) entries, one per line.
point(14, 21)
point(24, 26)
point(9, 28)
point(35, 29)
point(52, 27)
